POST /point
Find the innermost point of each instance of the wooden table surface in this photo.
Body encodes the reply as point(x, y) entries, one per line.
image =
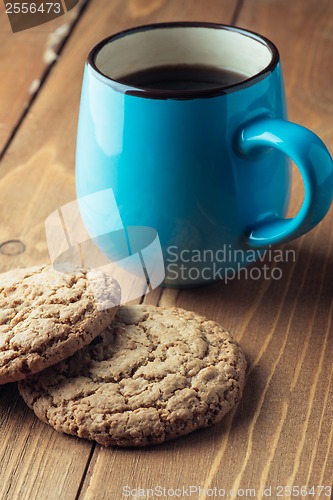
point(281, 433)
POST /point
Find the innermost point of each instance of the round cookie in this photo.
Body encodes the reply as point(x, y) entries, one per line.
point(46, 316)
point(154, 374)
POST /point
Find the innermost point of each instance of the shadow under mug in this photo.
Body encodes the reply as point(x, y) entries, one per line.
point(207, 168)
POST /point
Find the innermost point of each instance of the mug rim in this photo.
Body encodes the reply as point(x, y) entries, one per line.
point(138, 91)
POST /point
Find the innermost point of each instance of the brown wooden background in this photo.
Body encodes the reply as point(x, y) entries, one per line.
point(281, 433)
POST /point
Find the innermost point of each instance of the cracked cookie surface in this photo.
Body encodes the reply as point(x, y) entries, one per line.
point(154, 374)
point(46, 316)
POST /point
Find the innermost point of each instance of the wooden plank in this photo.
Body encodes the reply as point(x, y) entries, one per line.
point(30, 451)
point(25, 58)
point(281, 433)
point(37, 177)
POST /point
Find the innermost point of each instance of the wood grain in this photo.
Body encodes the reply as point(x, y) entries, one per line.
point(24, 456)
point(26, 58)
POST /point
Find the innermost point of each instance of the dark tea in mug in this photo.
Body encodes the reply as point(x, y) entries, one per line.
point(183, 77)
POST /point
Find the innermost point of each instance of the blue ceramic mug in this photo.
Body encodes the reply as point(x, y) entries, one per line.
point(207, 167)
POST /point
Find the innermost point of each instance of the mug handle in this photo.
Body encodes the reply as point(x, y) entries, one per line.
point(316, 167)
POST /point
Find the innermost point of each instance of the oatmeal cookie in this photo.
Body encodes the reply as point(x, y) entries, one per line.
point(46, 316)
point(154, 374)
